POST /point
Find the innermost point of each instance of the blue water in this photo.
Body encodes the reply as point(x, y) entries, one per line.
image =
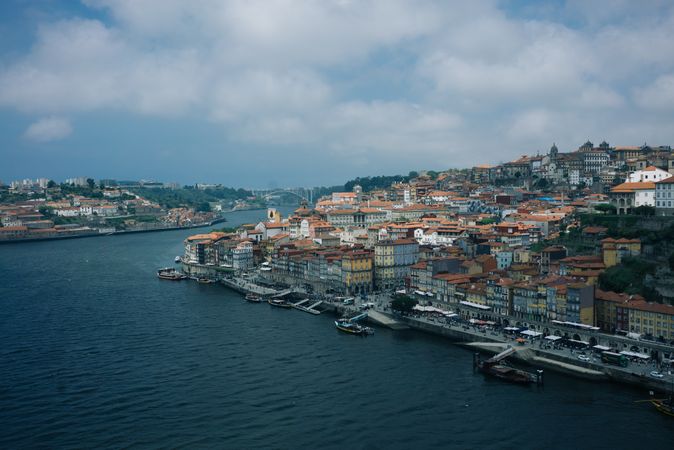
point(97, 352)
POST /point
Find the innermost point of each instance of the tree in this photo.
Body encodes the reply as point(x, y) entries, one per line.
point(51, 184)
point(204, 207)
point(413, 174)
point(605, 208)
point(671, 262)
point(541, 183)
point(403, 304)
point(91, 183)
point(644, 210)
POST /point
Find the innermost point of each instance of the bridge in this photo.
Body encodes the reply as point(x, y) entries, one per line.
point(301, 193)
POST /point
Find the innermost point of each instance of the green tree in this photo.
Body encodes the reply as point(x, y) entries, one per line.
point(605, 208)
point(403, 304)
point(91, 183)
point(51, 184)
point(413, 174)
point(542, 183)
point(671, 262)
point(644, 210)
point(204, 207)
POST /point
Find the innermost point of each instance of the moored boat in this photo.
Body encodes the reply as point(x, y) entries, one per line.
point(507, 373)
point(177, 259)
point(350, 327)
point(253, 298)
point(279, 303)
point(203, 280)
point(664, 405)
point(169, 273)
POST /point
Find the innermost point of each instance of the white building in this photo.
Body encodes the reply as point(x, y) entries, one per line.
point(242, 256)
point(650, 174)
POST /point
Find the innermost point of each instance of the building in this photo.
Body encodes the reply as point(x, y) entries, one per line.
point(357, 272)
point(392, 262)
point(613, 251)
point(664, 197)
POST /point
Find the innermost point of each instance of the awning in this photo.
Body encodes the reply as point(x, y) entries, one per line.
point(475, 305)
point(635, 355)
point(553, 338)
point(603, 348)
point(531, 333)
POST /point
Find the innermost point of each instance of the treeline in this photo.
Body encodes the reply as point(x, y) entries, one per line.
point(377, 182)
point(190, 196)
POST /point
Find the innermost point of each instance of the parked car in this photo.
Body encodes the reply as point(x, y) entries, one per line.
point(656, 374)
point(584, 358)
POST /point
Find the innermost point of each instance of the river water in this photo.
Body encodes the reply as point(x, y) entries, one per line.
point(97, 352)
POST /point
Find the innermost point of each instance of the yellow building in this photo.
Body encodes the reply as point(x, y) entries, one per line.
point(614, 250)
point(357, 273)
point(652, 319)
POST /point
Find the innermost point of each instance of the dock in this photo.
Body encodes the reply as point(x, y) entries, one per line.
point(308, 309)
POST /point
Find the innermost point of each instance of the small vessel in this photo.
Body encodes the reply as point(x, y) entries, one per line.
point(664, 405)
point(495, 368)
point(177, 259)
point(203, 280)
point(279, 303)
point(169, 273)
point(253, 298)
point(350, 327)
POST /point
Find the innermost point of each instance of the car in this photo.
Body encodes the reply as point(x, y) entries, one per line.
point(584, 358)
point(656, 374)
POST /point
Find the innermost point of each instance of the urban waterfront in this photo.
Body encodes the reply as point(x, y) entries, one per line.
point(97, 352)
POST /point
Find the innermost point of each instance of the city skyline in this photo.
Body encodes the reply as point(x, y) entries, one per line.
point(293, 93)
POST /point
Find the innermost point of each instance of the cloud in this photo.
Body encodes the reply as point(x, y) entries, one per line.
point(48, 129)
point(657, 96)
point(414, 82)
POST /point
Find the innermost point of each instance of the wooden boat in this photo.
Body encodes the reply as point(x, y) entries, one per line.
point(665, 406)
point(349, 327)
point(279, 303)
point(169, 273)
point(507, 373)
point(253, 298)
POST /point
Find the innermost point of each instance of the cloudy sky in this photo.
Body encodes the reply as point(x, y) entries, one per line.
point(260, 93)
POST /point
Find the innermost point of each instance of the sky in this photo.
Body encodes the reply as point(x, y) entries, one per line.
point(267, 93)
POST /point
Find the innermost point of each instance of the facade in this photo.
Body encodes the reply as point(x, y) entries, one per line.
point(357, 272)
point(664, 197)
point(392, 262)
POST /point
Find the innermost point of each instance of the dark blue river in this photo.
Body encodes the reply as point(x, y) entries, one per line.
point(96, 352)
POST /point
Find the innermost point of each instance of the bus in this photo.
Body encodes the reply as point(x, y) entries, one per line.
point(614, 358)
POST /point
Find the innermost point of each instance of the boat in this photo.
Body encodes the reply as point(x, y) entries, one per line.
point(279, 303)
point(203, 280)
point(507, 373)
point(664, 405)
point(169, 273)
point(253, 298)
point(350, 327)
point(496, 368)
point(177, 259)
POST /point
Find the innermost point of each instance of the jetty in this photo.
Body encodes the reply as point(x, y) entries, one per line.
point(308, 309)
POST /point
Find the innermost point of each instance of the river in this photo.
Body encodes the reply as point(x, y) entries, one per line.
point(98, 353)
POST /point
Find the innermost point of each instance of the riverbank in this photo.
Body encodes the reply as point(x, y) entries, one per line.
point(98, 232)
